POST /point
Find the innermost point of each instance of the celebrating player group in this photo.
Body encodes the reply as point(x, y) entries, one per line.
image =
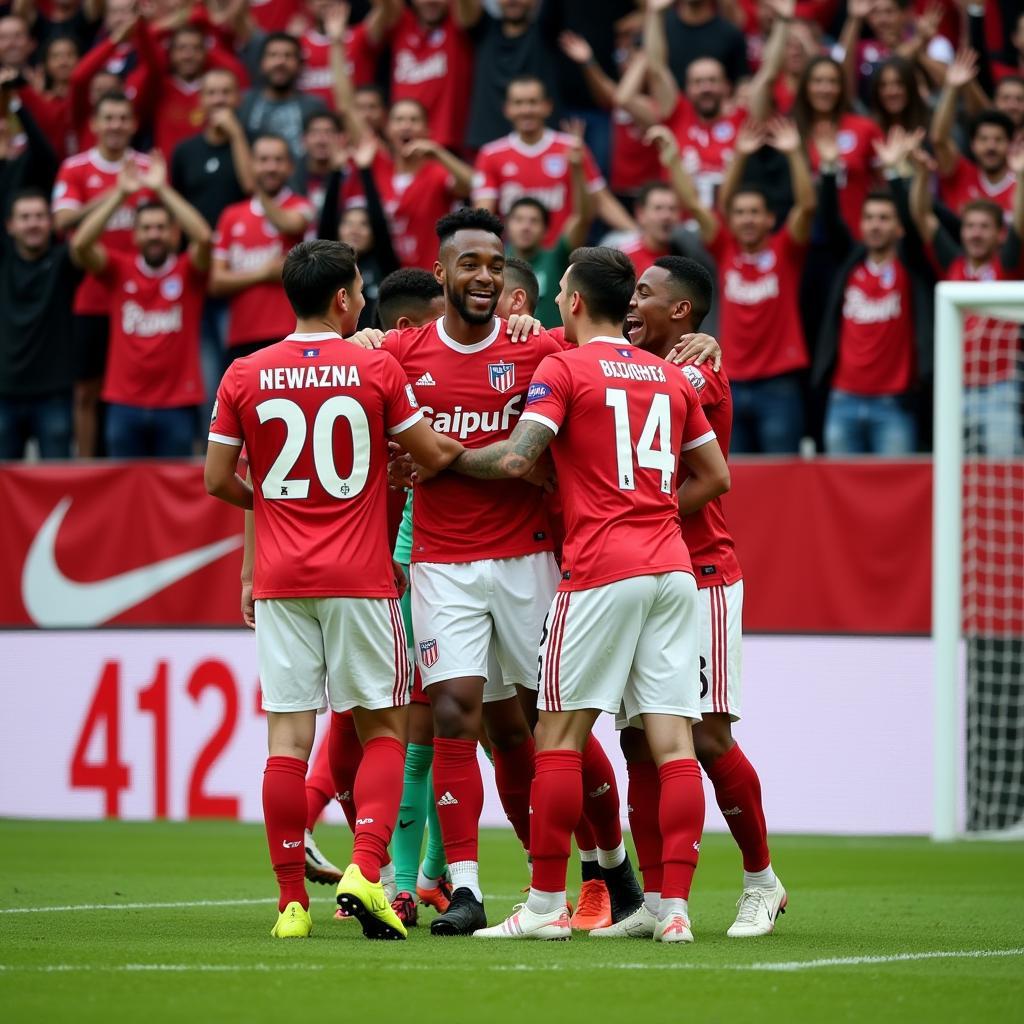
point(569, 557)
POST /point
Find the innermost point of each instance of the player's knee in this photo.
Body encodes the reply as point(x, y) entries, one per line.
point(711, 739)
point(633, 744)
point(455, 718)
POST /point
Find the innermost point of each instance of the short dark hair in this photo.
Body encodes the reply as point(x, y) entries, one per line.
point(322, 115)
point(879, 195)
point(281, 37)
point(994, 210)
point(114, 96)
point(406, 292)
point(370, 87)
point(527, 80)
point(188, 30)
point(749, 190)
point(1011, 79)
point(606, 280)
point(519, 274)
point(992, 117)
point(468, 219)
point(648, 189)
point(531, 203)
point(28, 192)
point(149, 205)
point(274, 137)
point(412, 102)
point(314, 271)
point(693, 280)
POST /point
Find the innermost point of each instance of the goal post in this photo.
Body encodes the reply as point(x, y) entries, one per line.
point(977, 603)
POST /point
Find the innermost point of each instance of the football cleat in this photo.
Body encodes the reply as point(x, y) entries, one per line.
point(439, 897)
point(293, 922)
point(318, 867)
point(641, 924)
point(405, 907)
point(674, 928)
point(624, 892)
point(366, 902)
point(464, 916)
point(525, 924)
point(594, 909)
point(759, 909)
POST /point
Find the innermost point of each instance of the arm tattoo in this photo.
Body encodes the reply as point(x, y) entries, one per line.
point(511, 458)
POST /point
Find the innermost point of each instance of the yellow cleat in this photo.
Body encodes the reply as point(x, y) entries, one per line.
point(293, 922)
point(368, 904)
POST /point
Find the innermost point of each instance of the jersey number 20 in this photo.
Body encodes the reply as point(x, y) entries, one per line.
point(658, 422)
point(277, 485)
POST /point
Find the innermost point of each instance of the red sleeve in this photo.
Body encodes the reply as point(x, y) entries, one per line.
point(788, 248)
point(706, 384)
point(595, 180)
point(226, 421)
point(117, 268)
point(67, 189)
point(401, 410)
point(362, 55)
point(486, 179)
point(143, 86)
point(719, 244)
point(220, 235)
point(696, 430)
point(84, 72)
point(547, 400)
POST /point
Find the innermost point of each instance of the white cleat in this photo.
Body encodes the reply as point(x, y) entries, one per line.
point(759, 909)
point(641, 924)
point(318, 867)
point(525, 924)
point(674, 928)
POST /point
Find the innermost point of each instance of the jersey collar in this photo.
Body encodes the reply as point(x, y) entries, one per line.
point(165, 268)
point(456, 346)
point(281, 198)
point(312, 336)
point(532, 150)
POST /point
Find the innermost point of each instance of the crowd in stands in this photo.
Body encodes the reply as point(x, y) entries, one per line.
point(829, 161)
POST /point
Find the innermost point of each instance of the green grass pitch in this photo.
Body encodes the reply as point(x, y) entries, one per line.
point(135, 940)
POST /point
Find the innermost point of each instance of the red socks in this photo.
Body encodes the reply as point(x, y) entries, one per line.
point(681, 816)
point(513, 776)
point(738, 792)
point(378, 795)
point(459, 793)
point(600, 796)
point(319, 786)
point(284, 812)
point(643, 798)
point(344, 752)
point(556, 799)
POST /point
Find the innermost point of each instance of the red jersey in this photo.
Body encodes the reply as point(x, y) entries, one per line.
point(759, 303)
point(508, 169)
point(274, 15)
point(640, 255)
point(474, 393)
point(80, 180)
point(705, 147)
point(413, 203)
point(858, 166)
point(633, 163)
point(154, 332)
point(967, 183)
point(705, 533)
point(622, 417)
point(360, 59)
point(876, 337)
point(434, 66)
point(314, 414)
point(246, 240)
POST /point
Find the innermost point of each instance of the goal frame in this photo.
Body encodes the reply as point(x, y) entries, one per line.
point(993, 298)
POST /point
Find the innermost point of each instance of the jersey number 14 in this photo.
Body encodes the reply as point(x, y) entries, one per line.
point(657, 426)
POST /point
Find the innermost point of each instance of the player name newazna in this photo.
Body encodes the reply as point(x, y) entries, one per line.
point(282, 378)
point(631, 371)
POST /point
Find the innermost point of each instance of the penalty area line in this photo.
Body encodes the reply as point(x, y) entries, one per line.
point(260, 968)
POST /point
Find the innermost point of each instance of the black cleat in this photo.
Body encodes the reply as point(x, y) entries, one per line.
point(464, 915)
point(624, 890)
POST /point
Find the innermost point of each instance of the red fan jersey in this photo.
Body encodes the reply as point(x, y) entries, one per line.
point(758, 295)
point(633, 163)
point(967, 183)
point(508, 169)
point(413, 203)
point(640, 255)
point(435, 67)
point(705, 533)
point(876, 337)
point(274, 15)
point(858, 166)
point(246, 240)
point(80, 180)
point(705, 147)
point(622, 418)
point(360, 57)
point(154, 332)
point(474, 393)
point(314, 414)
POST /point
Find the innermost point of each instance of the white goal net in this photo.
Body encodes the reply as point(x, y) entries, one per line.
point(978, 565)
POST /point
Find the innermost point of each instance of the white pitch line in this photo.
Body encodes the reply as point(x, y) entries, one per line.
point(788, 966)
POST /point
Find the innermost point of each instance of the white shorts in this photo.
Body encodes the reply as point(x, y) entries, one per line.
point(459, 609)
point(348, 652)
point(721, 649)
point(621, 646)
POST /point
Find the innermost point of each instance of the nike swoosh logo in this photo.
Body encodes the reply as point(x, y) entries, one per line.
point(405, 824)
point(51, 599)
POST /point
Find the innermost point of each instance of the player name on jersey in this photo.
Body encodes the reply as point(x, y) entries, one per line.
point(631, 371)
point(284, 378)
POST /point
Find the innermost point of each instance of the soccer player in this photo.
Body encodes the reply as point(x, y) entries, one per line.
point(315, 415)
point(624, 621)
point(673, 297)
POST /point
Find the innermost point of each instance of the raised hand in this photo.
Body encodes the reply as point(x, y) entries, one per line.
point(929, 20)
point(129, 180)
point(751, 137)
point(420, 147)
point(963, 69)
point(659, 5)
point(897, 146)
point(336, 21)
point(1015, 158)
point(662, 138)
point(781, 8)
point(156, 177)
point(576, 48)
point(783, 135)
point(366, 152)
point(575, 128)
point(859, 9)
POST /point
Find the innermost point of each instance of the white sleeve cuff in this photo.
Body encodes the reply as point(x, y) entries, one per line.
point(542, 420)
point(406, 423)
point(698, 441)
point(224, 439)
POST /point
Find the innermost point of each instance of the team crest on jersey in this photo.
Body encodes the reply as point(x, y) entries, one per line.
point(171, 288)
point(502, 376)
point(846, 141)
point(625, 353)
point(554, 165)
point(695, 377)
point(723, 131)
point(428, 652)
point(765, 260)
